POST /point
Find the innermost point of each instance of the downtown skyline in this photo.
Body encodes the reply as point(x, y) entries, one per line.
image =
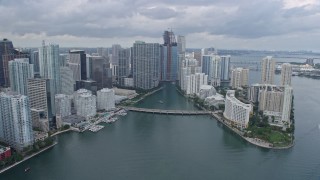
point(256, 25)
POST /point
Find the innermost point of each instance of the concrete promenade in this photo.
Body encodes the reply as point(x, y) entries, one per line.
point(164, 111)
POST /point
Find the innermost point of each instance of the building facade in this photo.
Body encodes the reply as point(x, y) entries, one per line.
point(239, 78)
point(15, 120)
point(237, 112)
point(169, 57)
point(211, 66)
point(19, 71)
point(146, 65)
point(67, 81)
point(267, 70)
point(225, 68)
point(6, 48)
point(85, 103)
point(286, 73)
point(78, 64)
point(105, 99)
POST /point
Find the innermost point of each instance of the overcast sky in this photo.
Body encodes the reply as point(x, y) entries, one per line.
point(224, 24)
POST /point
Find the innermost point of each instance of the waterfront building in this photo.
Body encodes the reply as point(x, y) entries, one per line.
point(206, 91)
point(310, 61)
point(77, 63)
point(19, 71)
point(211, 66)
point(15, 120)
point(105, 99)
point(67, 81)
point(267, 70)
point(193, 83)
point(63, 105)
point(275, 102)
point(146, 65)
point(85, 103)
point(239, 78)
point(225, 68)
point(169, 57)
point(41, 96)
point(49, 65)
point(237, 112)
point(6, 48)
point(286, 74)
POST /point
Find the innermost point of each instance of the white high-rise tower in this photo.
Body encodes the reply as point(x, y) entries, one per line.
point(286, 73)
point(267, 70)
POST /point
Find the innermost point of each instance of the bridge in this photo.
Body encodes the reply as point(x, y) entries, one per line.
point(163, 111)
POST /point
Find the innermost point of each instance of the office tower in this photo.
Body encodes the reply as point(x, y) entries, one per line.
point(124, 65)
point(15, 120)
point(49, 65)
point(146, 65)
point(63, 105)
point(286, 73)
point(236, 111)
point(105, 99)
point(63, 60)
point(77, 63)
point(225, 68)
point(6, 47)
point(100, 71)
point(115, 54)
point(211, 66)
point(239, 78)
point(267, 70)
point(181, 43)
point(169, 57)
point(41, 96)
point(67, 81)
point(253, 93)
point(19, 71)
point(34, 59)
point(85, 103)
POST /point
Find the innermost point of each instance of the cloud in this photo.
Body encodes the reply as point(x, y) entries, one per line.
point(104, 21)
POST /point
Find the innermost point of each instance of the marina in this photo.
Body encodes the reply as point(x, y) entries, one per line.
point(95, 128)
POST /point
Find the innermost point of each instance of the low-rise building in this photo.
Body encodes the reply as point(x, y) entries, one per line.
point(5, 152)
point(206, 91)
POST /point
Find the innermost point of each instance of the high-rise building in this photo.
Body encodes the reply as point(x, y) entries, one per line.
point(267, 70)
point(63, 60)
point(286, 73)
point(78, 64)
point(34, 59)
point(6, 59)
point(67, 81)
point(181, 43)
point(19, 71)
point(239, 78)
point(193, 83)
point(85, 103)
point(6, 48)
point(41, 96)
point(115, 54)
point(146, 64)
point(124, 63)
point(105, 99)
point(237, 112)
point(49, 65)
point(310, 61)
point(100, 72)
point(169, 57)
point(211, 66)
point(15, 120)
point(63, 105)
point(225, 68)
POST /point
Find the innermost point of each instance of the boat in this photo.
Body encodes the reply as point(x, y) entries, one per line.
point(27, 169)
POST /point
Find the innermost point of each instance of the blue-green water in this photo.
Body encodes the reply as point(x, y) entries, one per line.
point(147, 146)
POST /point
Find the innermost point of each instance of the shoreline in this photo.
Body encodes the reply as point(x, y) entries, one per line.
point(254, 141)
point(27, 158)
